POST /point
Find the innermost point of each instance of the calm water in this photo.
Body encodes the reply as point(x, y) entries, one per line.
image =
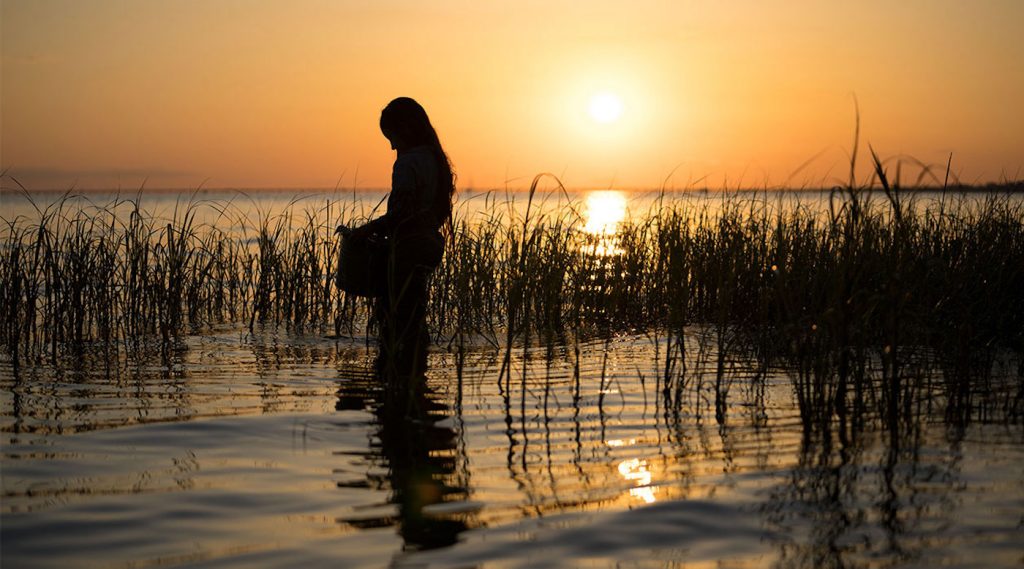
point(597, 210)
point(266, 450)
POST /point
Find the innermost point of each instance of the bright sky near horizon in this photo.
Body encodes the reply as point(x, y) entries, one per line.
point(604, 94)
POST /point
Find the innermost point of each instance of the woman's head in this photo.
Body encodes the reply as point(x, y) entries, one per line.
point(404, 122)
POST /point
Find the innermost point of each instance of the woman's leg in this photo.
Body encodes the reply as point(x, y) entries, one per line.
point(403, 335)
point(410, 321)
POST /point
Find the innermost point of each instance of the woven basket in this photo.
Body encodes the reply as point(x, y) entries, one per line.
point(361, 266)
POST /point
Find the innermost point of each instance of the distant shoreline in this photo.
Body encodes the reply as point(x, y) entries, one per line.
point(1001, 188)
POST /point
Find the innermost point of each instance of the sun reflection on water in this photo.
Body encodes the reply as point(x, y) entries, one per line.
point(635, 470)
point(606, 210)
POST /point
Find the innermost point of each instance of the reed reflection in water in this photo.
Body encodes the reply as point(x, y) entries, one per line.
point(586, 442)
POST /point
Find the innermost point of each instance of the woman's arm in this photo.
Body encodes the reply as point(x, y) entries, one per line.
point(413, 182)
point(402, 202)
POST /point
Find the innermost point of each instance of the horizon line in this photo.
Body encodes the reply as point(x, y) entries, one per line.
point(1011, 185)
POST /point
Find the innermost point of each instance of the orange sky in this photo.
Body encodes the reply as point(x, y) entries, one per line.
point(247, 93)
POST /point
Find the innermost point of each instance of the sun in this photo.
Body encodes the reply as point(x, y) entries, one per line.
point(605, 107)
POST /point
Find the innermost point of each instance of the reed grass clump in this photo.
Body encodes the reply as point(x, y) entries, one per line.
point(115, 275)
point(864, 287)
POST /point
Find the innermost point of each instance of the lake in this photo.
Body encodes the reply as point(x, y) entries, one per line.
point(266, 447)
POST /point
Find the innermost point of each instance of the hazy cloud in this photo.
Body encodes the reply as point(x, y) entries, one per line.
point(53, 178)
point(31, 59)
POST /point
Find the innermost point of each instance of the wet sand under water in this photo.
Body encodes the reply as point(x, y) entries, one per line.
point(268, 451)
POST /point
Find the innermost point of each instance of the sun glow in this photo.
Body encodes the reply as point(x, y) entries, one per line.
point(605, 107)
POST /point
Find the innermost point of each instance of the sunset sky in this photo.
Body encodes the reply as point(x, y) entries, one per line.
point(254, 94)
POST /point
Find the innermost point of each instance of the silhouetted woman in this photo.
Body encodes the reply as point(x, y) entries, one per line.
point(419, 206)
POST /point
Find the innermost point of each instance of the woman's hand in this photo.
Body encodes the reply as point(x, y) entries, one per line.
point(361, 233)
point(369, 231)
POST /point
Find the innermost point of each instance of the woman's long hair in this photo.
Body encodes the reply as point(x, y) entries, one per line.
point(407, 119)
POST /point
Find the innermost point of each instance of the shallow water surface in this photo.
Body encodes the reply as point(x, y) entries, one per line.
point(268, 450)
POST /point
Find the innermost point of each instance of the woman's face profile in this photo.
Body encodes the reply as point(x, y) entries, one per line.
point(390, 138)
point(396, 140)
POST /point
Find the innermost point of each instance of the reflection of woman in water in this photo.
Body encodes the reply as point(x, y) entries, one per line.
point(425, 463)
point(419, 206)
